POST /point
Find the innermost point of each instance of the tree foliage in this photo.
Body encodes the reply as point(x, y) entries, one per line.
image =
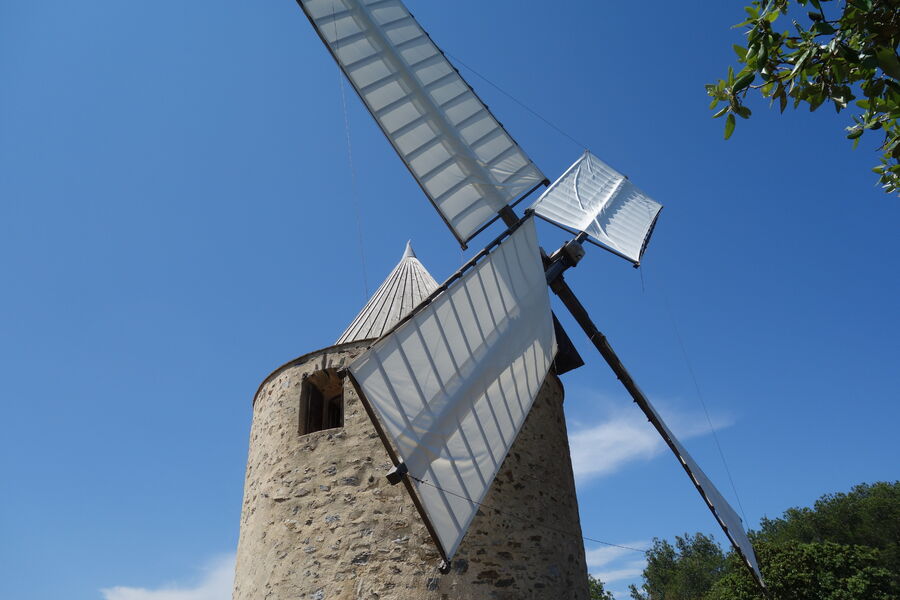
point(841, 53)
point(685, 571)
point(796, 571)
point(869, 515)
point(596, 589)
point(845, 547)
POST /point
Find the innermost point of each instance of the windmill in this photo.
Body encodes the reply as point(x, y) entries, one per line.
point(449, 386)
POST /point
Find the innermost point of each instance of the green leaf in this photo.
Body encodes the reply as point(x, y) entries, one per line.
point(721, 112)
point(799, 64)
point(743, 112)
point(740, 51)
point(729, 126)
point(888, 61)
point(782, 101)
point(743, 81)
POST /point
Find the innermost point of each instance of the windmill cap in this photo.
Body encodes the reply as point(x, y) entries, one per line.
point(405, 287)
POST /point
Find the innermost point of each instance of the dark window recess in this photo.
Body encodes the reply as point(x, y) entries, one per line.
point(321, 401)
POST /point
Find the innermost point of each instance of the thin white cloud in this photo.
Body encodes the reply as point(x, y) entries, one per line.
point(629, 570)
point(604, 555)
point(625, 436)
point(611, 563)
point(216, 584)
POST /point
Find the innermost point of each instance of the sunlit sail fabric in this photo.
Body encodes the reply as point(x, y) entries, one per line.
point(451, 387)
point(463, 159)
point(593, 197)
point(728, 519)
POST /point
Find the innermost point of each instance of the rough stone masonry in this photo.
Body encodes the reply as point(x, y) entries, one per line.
point(319, 520)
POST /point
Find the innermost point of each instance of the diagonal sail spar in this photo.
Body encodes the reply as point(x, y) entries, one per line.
point(465, 162)
point(724, 514)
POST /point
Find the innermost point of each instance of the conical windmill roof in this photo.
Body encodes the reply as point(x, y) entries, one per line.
point(407, 285)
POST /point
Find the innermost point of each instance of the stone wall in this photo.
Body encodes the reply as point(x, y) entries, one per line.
point(321, 522)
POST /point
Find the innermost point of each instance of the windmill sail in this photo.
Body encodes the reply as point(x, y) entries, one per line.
point(722, 511)
point(728, 519)
point(452, 385)
point(593, 197)
point(461, 156)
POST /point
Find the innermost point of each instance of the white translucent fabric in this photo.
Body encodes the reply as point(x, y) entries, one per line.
point(593, 197)
point(728, 519)
point(461, 156)
point(452, 386)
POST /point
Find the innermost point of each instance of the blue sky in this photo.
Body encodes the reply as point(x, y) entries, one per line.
point(177, 218)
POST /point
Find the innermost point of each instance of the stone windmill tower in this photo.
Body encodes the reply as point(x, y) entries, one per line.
point(321, 521)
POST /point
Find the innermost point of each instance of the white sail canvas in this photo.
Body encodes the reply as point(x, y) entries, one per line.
point(463, 159)
point(451, 387)
point(593, 197)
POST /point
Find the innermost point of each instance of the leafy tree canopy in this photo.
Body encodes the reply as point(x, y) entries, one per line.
point(845, 547)
point(796, 571)
point(596, 589)
point(843, 53)
point(685, 571)
point(869, 515)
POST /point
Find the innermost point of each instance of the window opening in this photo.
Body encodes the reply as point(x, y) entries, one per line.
point(321, 401)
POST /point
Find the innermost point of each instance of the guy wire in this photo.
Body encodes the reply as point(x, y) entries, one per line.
point(353, 187)
point(517, 101)
point(693, 375)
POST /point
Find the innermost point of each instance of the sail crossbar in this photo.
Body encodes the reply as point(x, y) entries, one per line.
point(461, 156)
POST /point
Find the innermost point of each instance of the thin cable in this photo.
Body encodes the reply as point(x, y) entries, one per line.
point(353, 187)
point(353, 192)
point(712, 430)
point(517, 101)
point(520, 518)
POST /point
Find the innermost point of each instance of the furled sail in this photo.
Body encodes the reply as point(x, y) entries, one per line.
point(463, 159)
point(728, 519)
point(450, 387)
point(593, 197)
